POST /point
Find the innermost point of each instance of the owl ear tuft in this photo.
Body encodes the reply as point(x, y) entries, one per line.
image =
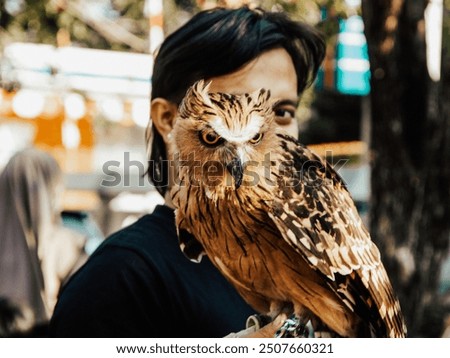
point(201, 88)
point(196, 97)
point(260, 96)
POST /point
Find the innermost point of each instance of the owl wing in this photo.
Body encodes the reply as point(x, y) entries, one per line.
point(316, 215)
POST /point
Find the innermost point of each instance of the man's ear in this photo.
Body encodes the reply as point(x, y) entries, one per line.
point(163, 114)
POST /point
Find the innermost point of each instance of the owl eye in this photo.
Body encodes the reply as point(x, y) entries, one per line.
point(210, 139)
point(257, 138)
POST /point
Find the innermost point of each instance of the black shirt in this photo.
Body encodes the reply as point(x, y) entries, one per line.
point(139, 284)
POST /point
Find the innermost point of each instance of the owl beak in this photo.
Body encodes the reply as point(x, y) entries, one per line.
point(236, 170)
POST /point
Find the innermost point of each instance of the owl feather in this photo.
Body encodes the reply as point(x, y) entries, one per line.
point(275, 218)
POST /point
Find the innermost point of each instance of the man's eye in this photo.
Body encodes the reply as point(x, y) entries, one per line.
point(284, 116)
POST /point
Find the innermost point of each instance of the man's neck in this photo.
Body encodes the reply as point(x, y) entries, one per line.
point(168, 200)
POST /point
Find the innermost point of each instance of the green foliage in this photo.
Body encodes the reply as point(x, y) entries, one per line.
point(40, 21)
point(131, 16)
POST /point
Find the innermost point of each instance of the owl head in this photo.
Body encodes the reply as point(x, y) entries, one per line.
point(218, 136)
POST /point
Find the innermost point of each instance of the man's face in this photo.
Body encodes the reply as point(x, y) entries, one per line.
point(273, 70)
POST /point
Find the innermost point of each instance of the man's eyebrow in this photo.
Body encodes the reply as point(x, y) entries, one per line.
point(284, 102)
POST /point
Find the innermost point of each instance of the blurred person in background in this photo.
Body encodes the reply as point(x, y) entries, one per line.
point(138, 283)
point(18, 321)
point(37, 254)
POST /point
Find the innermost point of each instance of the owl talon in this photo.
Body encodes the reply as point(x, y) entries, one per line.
point(293, 327)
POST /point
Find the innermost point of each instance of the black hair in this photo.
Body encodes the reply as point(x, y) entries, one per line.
point(220, 41)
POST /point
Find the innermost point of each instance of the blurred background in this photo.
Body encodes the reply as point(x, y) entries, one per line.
point(76, 80)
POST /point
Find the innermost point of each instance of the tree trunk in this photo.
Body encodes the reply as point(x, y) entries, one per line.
point(410, 158)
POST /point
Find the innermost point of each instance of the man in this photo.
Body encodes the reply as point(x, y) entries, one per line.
point(138, 283)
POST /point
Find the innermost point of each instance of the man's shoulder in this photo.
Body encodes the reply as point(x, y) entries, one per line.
point(148, 233)
point(109, 295)
point(145, 245)
point(141, 247)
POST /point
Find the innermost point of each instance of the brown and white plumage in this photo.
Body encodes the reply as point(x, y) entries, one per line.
point(276, 219)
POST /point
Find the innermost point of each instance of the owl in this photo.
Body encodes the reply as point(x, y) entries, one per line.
point(275, 219)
